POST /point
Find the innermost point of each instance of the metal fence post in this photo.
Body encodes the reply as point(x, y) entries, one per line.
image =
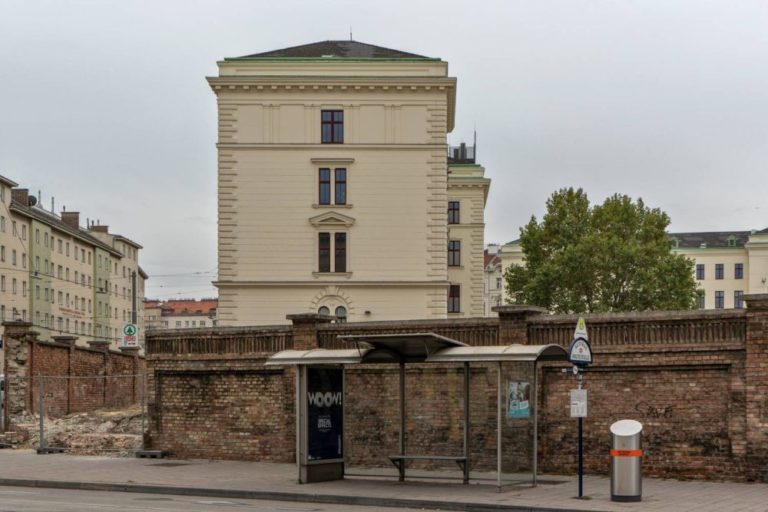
point(143, 411)
point(41, 405)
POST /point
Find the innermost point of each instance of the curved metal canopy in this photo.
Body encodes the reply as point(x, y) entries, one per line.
point(316, 356)
point(416, 348)
point(408, 347)
point(522, 353)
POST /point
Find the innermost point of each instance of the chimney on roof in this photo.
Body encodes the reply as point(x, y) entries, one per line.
point(20, 195)
point(71, 219)
point(98, 228)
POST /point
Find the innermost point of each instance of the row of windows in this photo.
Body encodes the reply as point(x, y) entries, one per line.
point(188, 323)
point(15, 314)
point(738, 299)
point(14, 259)
point(22, 234)
point(340, 313)
point(14, 286)
point(77, 252)
point(738, 271)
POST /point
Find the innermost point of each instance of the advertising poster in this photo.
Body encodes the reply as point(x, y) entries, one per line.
point(325, 413)
point(519, 403)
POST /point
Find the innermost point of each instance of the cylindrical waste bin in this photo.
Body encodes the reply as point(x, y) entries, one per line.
point(626, 458)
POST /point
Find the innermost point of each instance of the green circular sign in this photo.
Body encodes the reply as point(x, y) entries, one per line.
point(129, 330)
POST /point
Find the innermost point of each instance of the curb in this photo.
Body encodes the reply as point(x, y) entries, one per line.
point(335, 499)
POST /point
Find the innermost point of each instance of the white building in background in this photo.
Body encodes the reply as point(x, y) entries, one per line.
point(728, 264)
point(180, 313)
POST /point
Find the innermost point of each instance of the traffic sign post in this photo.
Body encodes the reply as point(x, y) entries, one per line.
point(130, 336)
point(580, 355)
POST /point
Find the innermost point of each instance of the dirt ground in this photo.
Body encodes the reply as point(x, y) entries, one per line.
point(105, 432)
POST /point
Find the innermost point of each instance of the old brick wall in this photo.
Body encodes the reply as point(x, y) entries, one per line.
point(696, 380)
point(229, 409)
point(74, 378)
point(692, 414)
point(223, 404)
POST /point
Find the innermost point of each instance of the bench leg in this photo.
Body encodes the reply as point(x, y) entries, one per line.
point(465, 474)
point(400, 465)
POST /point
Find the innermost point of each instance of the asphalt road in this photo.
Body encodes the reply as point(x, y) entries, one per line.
point(25, 499)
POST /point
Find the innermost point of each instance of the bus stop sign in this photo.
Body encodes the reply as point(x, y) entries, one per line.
point(579, 352)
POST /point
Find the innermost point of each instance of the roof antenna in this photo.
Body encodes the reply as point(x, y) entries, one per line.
point(350, 33)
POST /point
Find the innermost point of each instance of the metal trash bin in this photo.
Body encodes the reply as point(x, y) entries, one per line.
point(626, 459)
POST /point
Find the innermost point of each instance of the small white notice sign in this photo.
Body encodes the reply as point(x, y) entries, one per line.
point(578, 403)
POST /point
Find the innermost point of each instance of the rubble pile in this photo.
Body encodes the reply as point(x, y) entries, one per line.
point(116, 432)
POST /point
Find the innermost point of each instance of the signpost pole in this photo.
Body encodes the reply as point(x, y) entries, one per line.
point(581, 446)
point(580, 355)
point(581, 457)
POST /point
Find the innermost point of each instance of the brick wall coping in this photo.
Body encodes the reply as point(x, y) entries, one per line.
point(52, 344)
point(164, 334)
point(448, 322)
point(650, 316)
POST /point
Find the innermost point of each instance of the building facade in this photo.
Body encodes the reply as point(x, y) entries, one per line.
point(336, 153)
point(728, 264)
point(61, 277)
point(493, 282)
point(180, 313)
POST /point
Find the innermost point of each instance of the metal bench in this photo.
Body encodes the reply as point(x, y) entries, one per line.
point(399, 462)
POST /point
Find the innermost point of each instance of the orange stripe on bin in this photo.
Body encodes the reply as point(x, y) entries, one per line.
point(626, 453)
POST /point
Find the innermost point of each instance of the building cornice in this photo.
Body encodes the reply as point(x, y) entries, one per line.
point(316, 83)
point(334, 147)
point(315, 283)
point(313, 83)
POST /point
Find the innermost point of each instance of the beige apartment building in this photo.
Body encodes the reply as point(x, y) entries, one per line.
point(493, 280)
point(728, 264)
point(180, 313)
point(61, 277)
point(336, 191)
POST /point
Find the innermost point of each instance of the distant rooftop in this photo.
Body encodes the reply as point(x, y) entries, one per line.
point(711, 239)
point(338, 49)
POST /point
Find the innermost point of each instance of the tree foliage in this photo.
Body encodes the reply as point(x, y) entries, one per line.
point(610, 257)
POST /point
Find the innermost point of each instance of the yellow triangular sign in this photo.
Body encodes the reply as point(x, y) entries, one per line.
point(581, 329)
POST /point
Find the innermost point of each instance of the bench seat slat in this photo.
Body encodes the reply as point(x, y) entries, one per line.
point(425, 457)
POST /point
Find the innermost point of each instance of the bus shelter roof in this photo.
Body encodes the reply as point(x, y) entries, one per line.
point(415, 348)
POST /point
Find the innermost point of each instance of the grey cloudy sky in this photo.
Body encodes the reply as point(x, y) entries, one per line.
point(104, 105)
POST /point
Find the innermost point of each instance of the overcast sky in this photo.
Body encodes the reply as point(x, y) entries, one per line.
point(104, 105)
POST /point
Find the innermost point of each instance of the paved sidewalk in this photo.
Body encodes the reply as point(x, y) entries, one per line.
point(278, 481)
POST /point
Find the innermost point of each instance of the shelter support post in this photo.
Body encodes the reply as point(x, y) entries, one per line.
point(498, 428)
point(401, 466)
point(299, 419)
point(535, 392)
point(466, 423)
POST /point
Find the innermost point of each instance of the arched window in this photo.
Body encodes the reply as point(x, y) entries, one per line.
point(341, 314)
point(323, 310)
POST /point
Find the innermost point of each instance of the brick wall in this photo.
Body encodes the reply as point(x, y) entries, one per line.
point(75, 378)
point(696, 380)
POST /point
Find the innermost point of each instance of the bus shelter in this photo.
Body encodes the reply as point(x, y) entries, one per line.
point(320, 395)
